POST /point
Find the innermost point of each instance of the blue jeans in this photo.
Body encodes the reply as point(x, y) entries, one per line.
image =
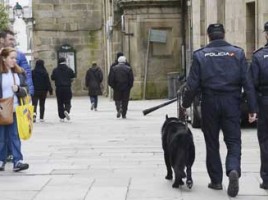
point(94, 99)
point(9, 137)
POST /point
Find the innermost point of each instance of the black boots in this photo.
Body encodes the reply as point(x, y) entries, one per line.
point(233, 186)
point(215, 186)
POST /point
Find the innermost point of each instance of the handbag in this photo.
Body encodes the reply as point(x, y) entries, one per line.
point(6, 109)
point(24, 115)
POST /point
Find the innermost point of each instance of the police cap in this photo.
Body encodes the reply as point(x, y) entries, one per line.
point(266, 26)
point(212, 28)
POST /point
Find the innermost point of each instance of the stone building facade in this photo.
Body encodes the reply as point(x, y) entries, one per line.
point(243, 21)
point(152, 36)
point(77, 23)
point(157, 36)
point(94, 29)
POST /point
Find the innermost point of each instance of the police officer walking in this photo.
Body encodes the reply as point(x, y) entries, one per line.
point(219, 70)
point(259, 71)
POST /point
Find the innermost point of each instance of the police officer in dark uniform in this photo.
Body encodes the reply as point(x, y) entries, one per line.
point(219, 70)
point(259, 71)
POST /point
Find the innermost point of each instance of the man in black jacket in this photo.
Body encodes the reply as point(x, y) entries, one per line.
point(121, 80)
point(63, 75)
point(219, 71)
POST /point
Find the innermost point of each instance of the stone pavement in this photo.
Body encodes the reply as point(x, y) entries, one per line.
point(96, 156)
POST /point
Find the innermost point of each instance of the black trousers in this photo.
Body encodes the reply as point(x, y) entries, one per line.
point(121, 99)
point(94, 99)
point(39, 96)
point(262, 127)
point(221, 112)
point(64, 96)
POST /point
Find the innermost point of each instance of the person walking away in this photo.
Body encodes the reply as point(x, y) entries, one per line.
point(12, 83)
point(42, 86)
point(63, 75)
point(112, 65)
point(121, 80)
point(259, 72)
point(219, 70)
point(93, 79)
point(118, 54)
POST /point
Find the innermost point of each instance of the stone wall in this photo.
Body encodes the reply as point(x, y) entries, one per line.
point(160, 58)
point(77, 23)
point(262, 17)
point(81, 24)
point(243, 21)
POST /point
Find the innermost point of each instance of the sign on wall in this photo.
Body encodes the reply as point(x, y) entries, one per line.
point(158, 36)
point(69, 53)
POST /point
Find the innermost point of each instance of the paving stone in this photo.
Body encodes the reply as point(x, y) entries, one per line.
point(99, 157)
point(107, 193)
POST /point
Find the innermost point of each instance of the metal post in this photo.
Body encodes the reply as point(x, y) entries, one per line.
point(146, 65)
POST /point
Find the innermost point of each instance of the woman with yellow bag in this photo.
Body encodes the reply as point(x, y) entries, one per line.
point(12, 86)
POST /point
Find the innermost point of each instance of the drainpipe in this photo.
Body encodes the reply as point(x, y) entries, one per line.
point(183, 31)
point(190, 31)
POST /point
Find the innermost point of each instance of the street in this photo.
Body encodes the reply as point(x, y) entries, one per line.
point(96, 156)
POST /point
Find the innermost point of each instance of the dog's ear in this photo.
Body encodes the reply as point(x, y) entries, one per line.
point(166, 116)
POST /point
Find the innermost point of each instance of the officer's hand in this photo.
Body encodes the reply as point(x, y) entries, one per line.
point(182, 113)
point(252, 117)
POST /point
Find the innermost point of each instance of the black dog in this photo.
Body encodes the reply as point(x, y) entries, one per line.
point(179, 151)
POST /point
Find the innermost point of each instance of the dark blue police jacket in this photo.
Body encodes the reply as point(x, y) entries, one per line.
point(259, 70)
point(219, 68)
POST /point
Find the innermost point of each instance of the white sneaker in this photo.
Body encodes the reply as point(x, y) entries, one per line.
point(67, 115)
point(42, 120)
point(61, 120)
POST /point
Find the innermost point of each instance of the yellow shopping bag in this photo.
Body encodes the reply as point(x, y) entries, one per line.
point(24, 115)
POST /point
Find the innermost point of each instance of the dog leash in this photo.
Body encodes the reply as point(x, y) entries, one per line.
point(181, 112)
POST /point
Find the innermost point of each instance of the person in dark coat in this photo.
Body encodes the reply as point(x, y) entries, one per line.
point(42, 86)
point(114, 64)
point(121, 80)
point(259, 71)
point(219, 71)
point(63, 75)
point(93, 81)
